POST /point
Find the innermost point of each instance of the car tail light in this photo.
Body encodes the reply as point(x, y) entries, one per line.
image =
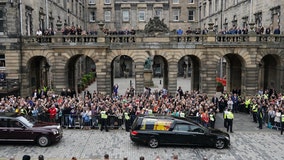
point(134, 133)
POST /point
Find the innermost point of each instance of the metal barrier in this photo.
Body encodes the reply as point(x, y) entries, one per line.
point(75, 121)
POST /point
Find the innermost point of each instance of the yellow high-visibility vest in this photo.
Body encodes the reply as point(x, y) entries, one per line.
point(230, 115)
point(254, 108)
point(126, 116)
point(103, 115)
point(182, 114)
point(247, 103)
point(212, 117)
point(282, 118)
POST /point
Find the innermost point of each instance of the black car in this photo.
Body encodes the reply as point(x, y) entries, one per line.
point(156, 131)
point(18, 129)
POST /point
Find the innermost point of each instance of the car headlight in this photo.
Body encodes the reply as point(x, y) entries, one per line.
point(228, 138)
point(55, 131)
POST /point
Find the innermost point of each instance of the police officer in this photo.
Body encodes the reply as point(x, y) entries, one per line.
point(254, 111)
point(212, 118)
point(225, 118)
point(104, 117)
point(259, 117)
point(230, 118)
point(126, 121)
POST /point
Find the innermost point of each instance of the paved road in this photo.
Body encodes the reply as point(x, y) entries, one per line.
point(247, 143)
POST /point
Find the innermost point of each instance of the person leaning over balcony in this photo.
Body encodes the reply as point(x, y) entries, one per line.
point(276, 30)
point(179, 32)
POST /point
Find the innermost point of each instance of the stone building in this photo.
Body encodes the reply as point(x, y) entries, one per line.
point(57, 61)
point(239, 13)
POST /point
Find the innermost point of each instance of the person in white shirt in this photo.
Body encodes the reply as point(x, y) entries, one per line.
point(39, 32)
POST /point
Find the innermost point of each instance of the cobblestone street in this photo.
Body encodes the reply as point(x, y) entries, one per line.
point(247, 142)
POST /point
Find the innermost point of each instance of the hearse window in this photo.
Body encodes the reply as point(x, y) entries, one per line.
point(182, 128)
point(156, 124)
point(197, 129)
point(15, 123)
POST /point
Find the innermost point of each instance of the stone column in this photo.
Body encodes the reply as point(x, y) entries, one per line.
point(250, 80)
point(172, 76)
point(59, 73)
point(208, 75)
point(139, 77)
point(103, 77)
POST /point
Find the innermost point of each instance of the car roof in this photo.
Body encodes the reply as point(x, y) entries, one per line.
point(8, 114)
point(177, 119)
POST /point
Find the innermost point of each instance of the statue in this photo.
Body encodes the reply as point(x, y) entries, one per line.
point(148, 63)
point(156, 26)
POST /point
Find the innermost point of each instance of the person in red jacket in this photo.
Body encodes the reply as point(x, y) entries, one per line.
point(52, 113)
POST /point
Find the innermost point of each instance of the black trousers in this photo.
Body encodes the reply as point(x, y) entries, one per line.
point(104, 124)
point(254, 116)
point(230, 125)
point(282, 127)
point(127, 125)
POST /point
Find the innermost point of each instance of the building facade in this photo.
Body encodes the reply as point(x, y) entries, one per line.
point(239, 13)
point(58, 61)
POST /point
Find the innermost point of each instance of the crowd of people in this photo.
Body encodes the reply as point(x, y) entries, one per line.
point(65, 108)
point(266, 107)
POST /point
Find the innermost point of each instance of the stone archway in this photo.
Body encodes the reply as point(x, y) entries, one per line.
point(269, 72)
point(233, 72)
point(189, 72)
point(123, 70)
point(38, 70)
point(81, 72)
point(160, 69)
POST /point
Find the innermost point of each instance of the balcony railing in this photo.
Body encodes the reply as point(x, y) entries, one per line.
point(125, 39)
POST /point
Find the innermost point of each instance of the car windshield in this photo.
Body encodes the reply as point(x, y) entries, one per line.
point(25, 121)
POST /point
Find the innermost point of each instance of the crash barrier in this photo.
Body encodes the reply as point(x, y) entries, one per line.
point(77, 121)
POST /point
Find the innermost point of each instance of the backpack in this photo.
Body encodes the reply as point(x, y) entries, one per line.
point(86, 118)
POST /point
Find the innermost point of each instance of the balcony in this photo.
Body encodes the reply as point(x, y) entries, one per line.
point(9, 87)
point(154, 41)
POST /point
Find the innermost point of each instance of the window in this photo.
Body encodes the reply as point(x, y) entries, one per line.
point(125, 16)
point(204, 10)
point(175, 1)
point(1, 20)
point(181, 128)
point(158, 13)
point(92, 2)
point(216, 5)
point(141, 15)
point(107, 1)
point(194, 128)
point(92, 16)
point(2, 61)
point(191, 14)
point(190, 1)
point(15, 124)
point(107, 16)
point(176, 13)
point(210, 8)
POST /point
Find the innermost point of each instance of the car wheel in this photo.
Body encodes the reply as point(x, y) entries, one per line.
point(220, 144)
point(153, 143)
point(43, 141)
